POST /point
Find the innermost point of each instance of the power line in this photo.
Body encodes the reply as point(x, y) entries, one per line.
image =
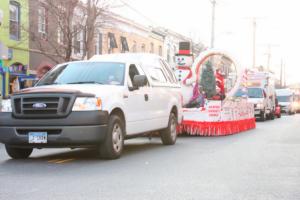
point(137, 11)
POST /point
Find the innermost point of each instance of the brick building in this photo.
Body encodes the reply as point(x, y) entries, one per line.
point(124, 35)
point(116, 35)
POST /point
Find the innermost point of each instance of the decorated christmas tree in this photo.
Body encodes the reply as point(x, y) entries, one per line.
point(208, 80)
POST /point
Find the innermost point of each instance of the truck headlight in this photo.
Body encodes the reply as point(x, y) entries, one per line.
point(87, 104)
point(259, 106)
point(6, 105)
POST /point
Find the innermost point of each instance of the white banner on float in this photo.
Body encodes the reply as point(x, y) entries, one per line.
point(214, 111)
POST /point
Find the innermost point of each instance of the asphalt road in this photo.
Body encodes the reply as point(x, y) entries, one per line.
point(260, 164)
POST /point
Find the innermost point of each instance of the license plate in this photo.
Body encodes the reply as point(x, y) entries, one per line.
point(37, 137)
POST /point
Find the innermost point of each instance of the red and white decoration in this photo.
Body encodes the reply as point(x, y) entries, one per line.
point(218, 118)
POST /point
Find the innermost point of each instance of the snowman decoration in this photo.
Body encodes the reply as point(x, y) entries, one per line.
point(184, 74)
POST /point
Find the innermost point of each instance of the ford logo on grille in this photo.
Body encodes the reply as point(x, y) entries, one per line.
point(39, 105)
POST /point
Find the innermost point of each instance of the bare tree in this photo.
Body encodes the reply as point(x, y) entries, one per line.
point(96, 12)
point(67, 22)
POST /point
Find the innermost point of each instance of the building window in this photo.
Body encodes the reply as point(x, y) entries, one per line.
point(160, 50)
point(60, 33)
point(78, 43)
point(151, 47)
point(98, 45)
point(124, 44)
point(60, 36)
point(133, 49)
point(42, 20)
point(143, 48)
point(112, 42)
point(14, 20)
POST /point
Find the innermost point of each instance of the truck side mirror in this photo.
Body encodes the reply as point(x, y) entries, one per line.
point(139, 81)
point(265, 95)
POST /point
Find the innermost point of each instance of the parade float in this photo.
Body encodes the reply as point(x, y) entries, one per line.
point(209, 84)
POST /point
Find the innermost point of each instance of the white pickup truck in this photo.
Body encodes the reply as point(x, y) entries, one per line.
point(95, 103)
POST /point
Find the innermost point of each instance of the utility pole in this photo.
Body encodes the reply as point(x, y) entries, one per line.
point(269, 57)
point(284, 74)
point(212, 41)
point(281, 75)
point(254, 43)
point(269, 54)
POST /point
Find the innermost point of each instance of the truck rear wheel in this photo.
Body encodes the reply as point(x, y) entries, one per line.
point(18, 153)
point(113, 144)
point(263, 116)
point(169, 135)
point(272, 115)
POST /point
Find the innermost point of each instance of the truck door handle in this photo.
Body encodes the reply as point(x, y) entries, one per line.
point(146, 97)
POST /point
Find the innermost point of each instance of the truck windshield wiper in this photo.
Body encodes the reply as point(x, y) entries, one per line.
point(84, 82)
point(41, 84)
point(254, 97)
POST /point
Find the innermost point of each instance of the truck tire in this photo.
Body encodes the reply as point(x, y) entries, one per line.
point(272, 115)
point(169, 135)
point(18, 153)
point(263, 116)
point(112, 146)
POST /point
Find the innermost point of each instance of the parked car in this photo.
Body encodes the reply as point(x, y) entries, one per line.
point(286, 100)
point(297, 102)
point(95, 103)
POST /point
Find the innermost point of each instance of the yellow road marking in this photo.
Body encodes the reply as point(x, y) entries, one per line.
point(64, 161)
point(55, 160)
point(59, 161)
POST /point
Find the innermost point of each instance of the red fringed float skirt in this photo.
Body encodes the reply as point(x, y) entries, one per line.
point(204, 128)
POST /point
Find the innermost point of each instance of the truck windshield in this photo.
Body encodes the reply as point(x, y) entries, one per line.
point(250, 92)
point(107, 73)
point(284, 98)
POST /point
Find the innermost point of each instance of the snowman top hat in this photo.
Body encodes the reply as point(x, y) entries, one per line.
point(184, 49)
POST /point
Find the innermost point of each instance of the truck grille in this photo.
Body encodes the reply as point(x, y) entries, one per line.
point(42, 106)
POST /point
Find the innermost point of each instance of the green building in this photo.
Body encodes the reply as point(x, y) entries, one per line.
point(14, 44)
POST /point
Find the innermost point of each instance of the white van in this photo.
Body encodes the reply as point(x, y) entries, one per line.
point(95, 103)
point(286, 100)
point(261, 92)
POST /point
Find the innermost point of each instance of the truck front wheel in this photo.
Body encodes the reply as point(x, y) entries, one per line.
point(272, 115)
point(18, 153)
point(113, 144)
point(262, 116)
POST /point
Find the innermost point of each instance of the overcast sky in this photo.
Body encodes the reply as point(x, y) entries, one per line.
point(277, 25)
